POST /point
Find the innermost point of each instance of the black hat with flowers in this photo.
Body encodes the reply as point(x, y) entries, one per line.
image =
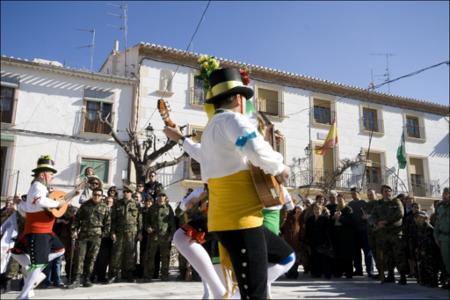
point(226, 82)
point(45, 163)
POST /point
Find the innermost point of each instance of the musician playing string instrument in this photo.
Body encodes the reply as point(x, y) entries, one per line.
point(228, 143)
point(38, 245)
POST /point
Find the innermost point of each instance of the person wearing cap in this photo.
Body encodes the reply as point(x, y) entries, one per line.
point(38, 245)
point(441, 230)
point(126, 227)
point(92, 222)
point(228, 143)
point(427, 251)
point(390, 245)
point(160, 226)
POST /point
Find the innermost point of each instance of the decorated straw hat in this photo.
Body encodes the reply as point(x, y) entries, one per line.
point(226, 82)
point(45, 163)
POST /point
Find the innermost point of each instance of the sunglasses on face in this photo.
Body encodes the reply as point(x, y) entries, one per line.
point(98, 195)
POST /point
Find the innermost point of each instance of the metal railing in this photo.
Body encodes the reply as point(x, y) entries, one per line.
point(317, 178)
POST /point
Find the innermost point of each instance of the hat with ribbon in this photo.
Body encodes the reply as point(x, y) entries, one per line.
point(45, 163)
point(226, 82)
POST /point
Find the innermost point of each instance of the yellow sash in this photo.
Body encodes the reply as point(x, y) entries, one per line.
point(233, 203)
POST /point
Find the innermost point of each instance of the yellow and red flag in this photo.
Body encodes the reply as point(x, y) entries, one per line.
point(331, 140)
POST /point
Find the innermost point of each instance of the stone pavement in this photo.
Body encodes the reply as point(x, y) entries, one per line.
point(302, 288)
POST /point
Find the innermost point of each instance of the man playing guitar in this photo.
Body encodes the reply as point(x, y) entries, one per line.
point(38, 245)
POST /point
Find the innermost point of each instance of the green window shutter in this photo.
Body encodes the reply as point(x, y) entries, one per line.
point(101, 167)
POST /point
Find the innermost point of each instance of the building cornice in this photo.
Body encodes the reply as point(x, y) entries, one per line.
point(17, 62)
point(189, 59)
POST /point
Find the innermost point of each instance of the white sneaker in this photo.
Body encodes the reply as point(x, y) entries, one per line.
point(41, 277)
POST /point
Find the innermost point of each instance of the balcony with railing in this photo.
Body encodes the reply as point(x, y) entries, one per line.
point(319, 178)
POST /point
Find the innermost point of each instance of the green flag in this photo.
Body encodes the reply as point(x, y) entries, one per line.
point(401, 153)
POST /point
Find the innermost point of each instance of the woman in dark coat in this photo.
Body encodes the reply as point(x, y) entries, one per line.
point(318, 237)
point(343, 238)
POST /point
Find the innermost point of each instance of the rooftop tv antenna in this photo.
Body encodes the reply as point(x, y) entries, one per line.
point(124, 28)
point(387, 74)
point(91, 45)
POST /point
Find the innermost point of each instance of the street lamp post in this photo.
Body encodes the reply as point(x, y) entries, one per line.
point(308, 157)
point(362, 159)
point(150, 135)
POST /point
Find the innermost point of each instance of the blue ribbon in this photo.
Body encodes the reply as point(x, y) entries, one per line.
point(242, 140)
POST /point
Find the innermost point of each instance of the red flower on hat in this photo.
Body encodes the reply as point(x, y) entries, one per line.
point(245, 75)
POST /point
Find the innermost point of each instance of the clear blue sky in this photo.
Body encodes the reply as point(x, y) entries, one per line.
point(327, 40)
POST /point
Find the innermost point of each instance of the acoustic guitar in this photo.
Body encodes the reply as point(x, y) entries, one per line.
point(163, 108)
point(60, 195)
point(267, 187)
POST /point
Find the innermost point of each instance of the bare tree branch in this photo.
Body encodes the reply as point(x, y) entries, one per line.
point(165, 164)
point(125, 147)
point(155, 155)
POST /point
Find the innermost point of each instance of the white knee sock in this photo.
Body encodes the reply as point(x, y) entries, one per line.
point(23, 260)
point(200, 260)
point(32, 277)
point(205, 291)
point(276, 270)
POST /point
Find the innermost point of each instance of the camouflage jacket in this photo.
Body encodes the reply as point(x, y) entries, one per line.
point(160, 220)
point(390, 211)
point(125, 216)
point(92, 220)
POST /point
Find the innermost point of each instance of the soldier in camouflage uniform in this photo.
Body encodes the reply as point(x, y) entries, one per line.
point(160, 228)
point(126, 226)
point(387, 216)
point(92, 222)
point(441, 230)
point(427, 252)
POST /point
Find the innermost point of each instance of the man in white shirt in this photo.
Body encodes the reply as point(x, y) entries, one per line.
point(38, 245)
point(230, 141)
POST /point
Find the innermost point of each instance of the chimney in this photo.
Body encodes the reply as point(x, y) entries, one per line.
point(116, 46)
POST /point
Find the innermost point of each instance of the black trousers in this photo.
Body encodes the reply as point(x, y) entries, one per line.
point(250, 252)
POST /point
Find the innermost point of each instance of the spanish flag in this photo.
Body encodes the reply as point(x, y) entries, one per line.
point(331, 140)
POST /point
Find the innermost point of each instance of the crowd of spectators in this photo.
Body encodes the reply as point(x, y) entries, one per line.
point(128, 237)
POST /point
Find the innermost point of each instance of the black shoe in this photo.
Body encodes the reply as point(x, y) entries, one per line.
point(358, 273)
point(444, 286)
point(87, 282)
point(59, 285)
point(130, 280)
point(75, 283)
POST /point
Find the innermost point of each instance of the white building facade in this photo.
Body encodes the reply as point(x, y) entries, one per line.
point(370, 124)
point(50, 109)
